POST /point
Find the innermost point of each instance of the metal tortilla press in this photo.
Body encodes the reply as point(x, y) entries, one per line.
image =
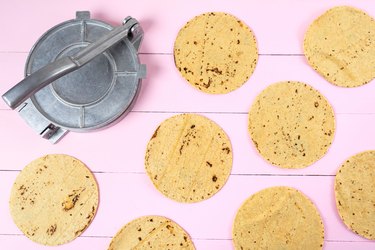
point(81, 75)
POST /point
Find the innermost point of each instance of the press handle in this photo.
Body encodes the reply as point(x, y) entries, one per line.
point(51, 72)
point(36, 81)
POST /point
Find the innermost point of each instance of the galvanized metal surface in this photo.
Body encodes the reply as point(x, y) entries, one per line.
point(81, 75)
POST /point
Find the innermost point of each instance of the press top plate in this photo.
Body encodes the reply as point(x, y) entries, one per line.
point(96, 94)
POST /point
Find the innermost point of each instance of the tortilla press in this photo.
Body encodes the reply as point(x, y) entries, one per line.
point(81, 75)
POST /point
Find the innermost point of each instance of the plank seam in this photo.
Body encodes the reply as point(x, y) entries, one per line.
point(235, 174)
point(202, 239)
point(169, 53)
point(207, 112)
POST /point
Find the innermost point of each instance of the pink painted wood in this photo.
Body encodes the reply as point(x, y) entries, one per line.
point(116, 154)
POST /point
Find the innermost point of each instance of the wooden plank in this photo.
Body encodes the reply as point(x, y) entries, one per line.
point(13, 242)
point(278, 26)
point(166, 90)
point(124, 197)
point(121, 148)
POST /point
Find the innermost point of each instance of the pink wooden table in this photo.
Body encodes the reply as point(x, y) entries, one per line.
point(115, 155)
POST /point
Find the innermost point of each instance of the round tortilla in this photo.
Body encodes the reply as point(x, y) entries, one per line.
point(340, 46)
point(291, 124)
point(54, 199)
point(278, 218)
point(189, 158)
point(216, 52)
point(151, 232)
point(355, 193)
